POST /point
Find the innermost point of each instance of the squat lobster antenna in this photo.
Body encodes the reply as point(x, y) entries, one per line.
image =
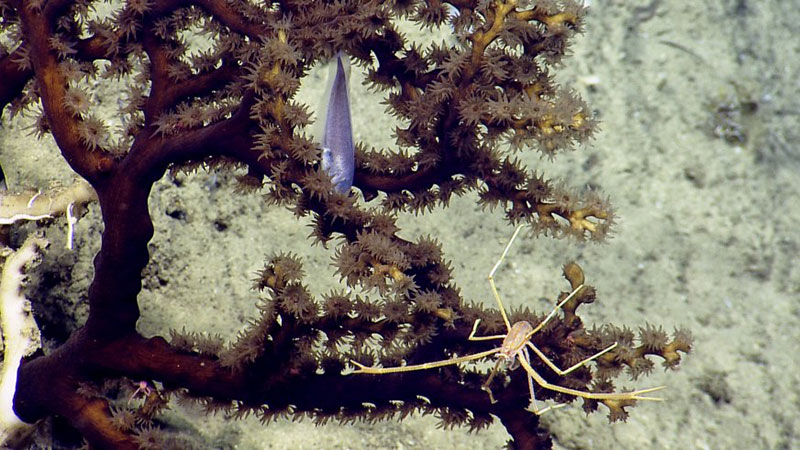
point(494, 270)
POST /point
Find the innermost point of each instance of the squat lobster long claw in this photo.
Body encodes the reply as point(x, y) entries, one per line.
point(632, 395)
point(446, 362)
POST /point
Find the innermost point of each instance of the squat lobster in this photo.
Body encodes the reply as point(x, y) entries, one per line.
point(515, 346)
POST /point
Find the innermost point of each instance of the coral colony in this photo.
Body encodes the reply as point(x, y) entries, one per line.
point(409, 340)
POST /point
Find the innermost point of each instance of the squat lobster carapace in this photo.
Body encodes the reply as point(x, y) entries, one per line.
point(515, 348)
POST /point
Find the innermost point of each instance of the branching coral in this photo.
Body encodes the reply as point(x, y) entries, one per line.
point(234, 103)
point(20, 335)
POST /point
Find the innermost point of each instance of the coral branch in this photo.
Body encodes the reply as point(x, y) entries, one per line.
point(463, 109)
point(51, 86)
point(14, 78)
point(20, 335)
point(44, 205)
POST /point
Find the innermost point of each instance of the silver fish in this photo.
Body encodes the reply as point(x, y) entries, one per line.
point(3, 186)
point(338, 150)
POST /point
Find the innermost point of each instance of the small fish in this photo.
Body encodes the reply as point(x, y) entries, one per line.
point(338, 150)
point(3, 185)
